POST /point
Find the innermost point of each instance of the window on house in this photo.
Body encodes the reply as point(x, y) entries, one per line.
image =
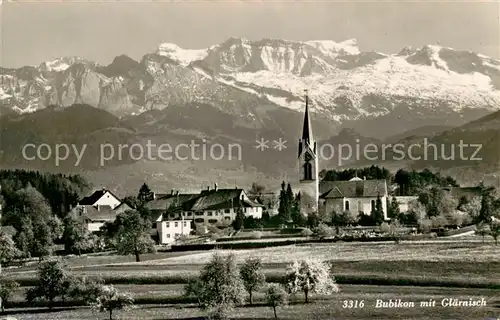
point(373, 205)
point(209, 213)
point(176, 224)
point(199, 220)
point(227, 218)
point(347, 206)
point(168, 235)
point(212, 221)
point(227, 211)
point(185, 223)
point(167, 224)
point(199, 213)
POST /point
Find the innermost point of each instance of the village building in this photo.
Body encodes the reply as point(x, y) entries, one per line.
point(169, 231)
point(100, 207)
point(209, 207)
point(356, 195)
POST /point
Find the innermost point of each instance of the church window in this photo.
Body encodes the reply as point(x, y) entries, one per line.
point(347, 205)
point(308, 171)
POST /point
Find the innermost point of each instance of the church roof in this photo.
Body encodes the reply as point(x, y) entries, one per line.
point(307, 135)
point(352, 189)
point(307, 139)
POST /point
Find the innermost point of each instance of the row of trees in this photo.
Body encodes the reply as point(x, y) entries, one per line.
point(56, 282)
point(62, 192)
point(221, 285)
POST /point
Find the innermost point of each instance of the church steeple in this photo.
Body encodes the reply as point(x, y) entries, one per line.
point(307, 135)
point(307, 140)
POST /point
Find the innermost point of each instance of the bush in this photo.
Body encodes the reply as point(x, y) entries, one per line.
point(385, 227)
point(425, 225)
point(323, 231)
point(256, 235)
point(306, 232)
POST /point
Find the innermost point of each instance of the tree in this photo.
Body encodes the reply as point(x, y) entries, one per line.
point(75, 236)
point(111, 299)
point(194, 289)
point(473, 208)
point(220, 286)
point(378, 211)
point(239, 219)
point(275, 297)
point(7, 287)
point(256, 189)
point(145, 194)
point(8, 250)
point(393, 208)
point(295, 214)
point(252, 275)
point(394, 229)
point(482, 229)
point(86, 289)
point(52, 282)
point(285, 203)
point(486, 204)
point(133, 235)
point(310, 276)
point(495, 229)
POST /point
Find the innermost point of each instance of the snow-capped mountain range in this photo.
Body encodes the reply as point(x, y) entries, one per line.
point(239, 75)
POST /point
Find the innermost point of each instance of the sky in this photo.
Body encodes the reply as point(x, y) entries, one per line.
point(35, 32)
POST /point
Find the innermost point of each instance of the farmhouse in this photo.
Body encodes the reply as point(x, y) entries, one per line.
point(100, 207)
point(210, 207)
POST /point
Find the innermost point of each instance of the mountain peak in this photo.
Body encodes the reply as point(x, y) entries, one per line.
point(329, 47)
point(182, 56)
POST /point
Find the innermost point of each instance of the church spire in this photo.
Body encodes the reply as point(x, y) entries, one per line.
point(307, 135)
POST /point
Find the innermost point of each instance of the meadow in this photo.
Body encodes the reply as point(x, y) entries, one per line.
point(415, 271)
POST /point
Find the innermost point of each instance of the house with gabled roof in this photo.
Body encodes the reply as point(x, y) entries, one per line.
point(356, 195)
point(101, 197)
point(210, 207)
point(98, 208)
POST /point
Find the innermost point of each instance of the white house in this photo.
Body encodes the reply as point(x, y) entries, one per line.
point(356, 195)
point(102, 197)
point(97, 209)
point(169, 230)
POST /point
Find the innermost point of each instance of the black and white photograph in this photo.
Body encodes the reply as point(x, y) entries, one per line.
point(244, 159)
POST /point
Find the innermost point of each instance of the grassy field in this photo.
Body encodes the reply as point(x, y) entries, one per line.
point(320, 308)
point(408, 271)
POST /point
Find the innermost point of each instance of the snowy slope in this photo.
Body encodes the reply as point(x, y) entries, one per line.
point(344, 83)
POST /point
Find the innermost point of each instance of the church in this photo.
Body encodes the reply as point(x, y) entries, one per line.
point(356, 195)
